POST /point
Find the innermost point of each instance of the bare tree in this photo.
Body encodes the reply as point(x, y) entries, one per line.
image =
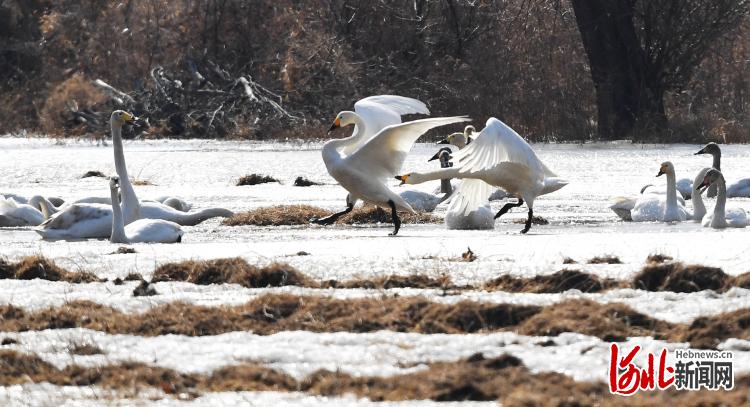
point(640, 49)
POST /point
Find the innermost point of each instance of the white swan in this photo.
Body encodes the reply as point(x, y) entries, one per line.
point(501, 158)
point(426, 202)
point(23, 200)
point(459, 139)
point(94, 220)
point(363, 172)
point(664, 208)
point(16, 214)
point(170, 201)
point(375, 113)
point(141, 230)
point(737, 189)
point(721, 217)
point(651, 200)
point(699, 209)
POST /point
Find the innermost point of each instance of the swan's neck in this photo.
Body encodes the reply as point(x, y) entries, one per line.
point(721, 199)
point(443, 173)
point(43, 205)
point(671, 191)
point(130, 204)
point(717, 160)
point(699, 209)
point(445, 183)
point(334, 150)
point(118, 227)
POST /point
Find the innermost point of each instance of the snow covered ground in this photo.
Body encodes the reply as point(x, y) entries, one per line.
point(204, 173)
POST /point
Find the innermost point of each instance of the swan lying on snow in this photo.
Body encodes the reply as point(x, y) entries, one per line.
point(141, 230)
point(721, 217)
point(94, 220)
point(361, 164)
point(23, 200)
point(650, 203)
point(501, 158)
point(738, 189)
point(423, 201)
point(33, 213)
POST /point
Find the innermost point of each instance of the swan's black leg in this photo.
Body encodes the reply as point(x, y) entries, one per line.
point(528, 221)
point(396, 220)
point(332, 218)
point(507, 207)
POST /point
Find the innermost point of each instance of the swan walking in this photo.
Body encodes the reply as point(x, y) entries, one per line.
point(501, 158)
point(738, 189)
point(426, 202)
point(363, 172)
point(141, 230)
point(721, 217)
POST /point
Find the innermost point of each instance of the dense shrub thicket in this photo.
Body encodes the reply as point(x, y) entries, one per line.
point(283, 68)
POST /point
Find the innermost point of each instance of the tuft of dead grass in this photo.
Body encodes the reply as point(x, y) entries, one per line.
point(255, 179)
point(681, 278)
point(558, 282)
point(658, 258)
point(85, 349)
point(605, 260)
point(94, 173)
point(304, 182)
point(142, 182)
point(283, 215)
point(32, 267)
point(232, 270)
point(124, 250)
point(394, 281)
point(144, 289)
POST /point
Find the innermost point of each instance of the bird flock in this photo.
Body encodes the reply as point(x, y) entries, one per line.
point(494, 164)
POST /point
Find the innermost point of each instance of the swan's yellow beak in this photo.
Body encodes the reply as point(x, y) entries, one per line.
point(402, 178)
point(127, 117)
point(336, 124)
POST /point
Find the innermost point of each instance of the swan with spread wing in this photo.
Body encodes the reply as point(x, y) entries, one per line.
point(502, 158)
point(362, 163)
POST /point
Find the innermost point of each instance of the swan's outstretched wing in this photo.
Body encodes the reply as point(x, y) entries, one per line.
point(469, 196)
point(497, 143)
point(381, 111)
point(383, 155)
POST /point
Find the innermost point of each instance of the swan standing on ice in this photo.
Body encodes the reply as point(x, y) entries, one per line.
point(426, 202)
point(141, 230)
point(501, 158)
point(739, 189)
point(363, 172)
point(721, 217)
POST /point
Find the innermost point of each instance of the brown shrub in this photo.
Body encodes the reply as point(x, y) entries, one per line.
point(681, 278)
point(560, 281)
point(605, 260)
point(278, 215)
point(255, 179)
point(31, 267)
point(370, 214)
point(78, 90)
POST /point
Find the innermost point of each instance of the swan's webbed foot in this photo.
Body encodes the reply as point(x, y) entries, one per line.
point(330, 219)
point(396, 219)
point(508, 207)
point(527, 226)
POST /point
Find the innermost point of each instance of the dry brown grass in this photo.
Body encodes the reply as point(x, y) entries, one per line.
point(282, 215)
point(558, 282)
point(304, 182)
point(255, 179)
point(475, 378)
point(605, 260)
point(93, 173)
point(76, 89)
point(681, 278)
point(31, 267)
point(234, 271)
point(270, 314)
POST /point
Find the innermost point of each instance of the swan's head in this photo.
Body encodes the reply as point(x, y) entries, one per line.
point(444, 154)
point(469, 131)
point(120, 117)
point(342, 119)
point(114, 182)
point(711, 176)
point(666, 168)
point(710, 148)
